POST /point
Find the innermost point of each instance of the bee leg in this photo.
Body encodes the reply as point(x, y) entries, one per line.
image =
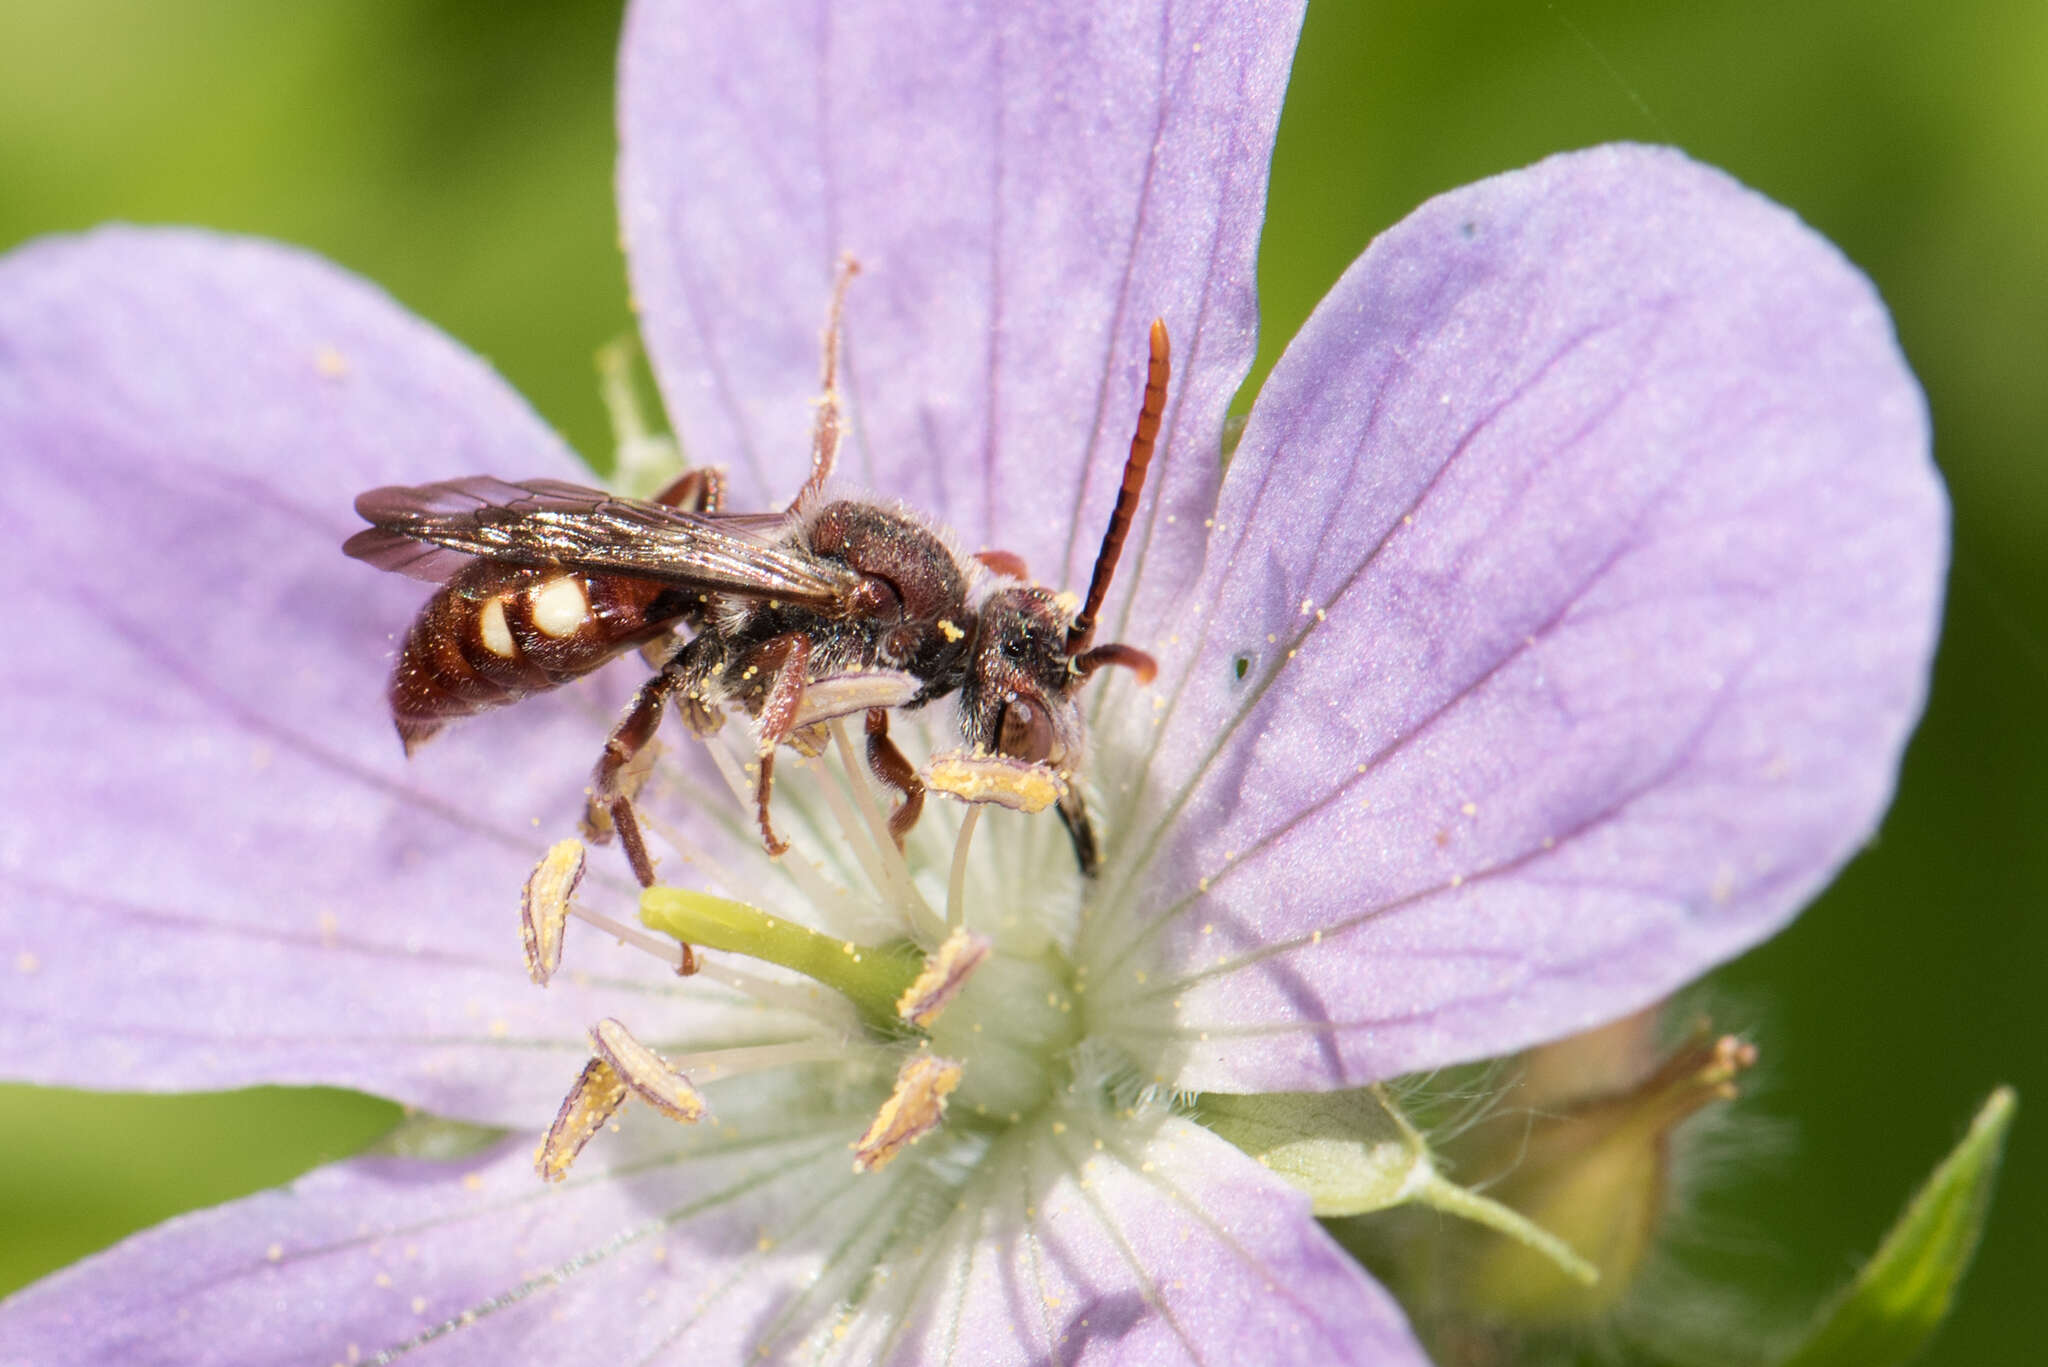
point(611, 784)
point(1074, 815)
point(701, 490)
point(1005, 563)
point(825, 428)
point(891, 768)
point(787, 658)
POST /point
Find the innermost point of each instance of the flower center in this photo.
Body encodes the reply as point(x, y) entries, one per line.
point(973, 1010)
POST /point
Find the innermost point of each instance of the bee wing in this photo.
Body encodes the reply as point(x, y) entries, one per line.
point(429, 531)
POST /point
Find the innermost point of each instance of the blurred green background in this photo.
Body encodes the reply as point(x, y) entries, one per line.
point(461, 155)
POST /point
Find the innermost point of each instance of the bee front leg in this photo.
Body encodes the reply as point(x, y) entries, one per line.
point(1074, 815)
point(890, 767)
point(787, 659)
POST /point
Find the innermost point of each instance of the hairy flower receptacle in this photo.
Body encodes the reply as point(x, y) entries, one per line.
point(872, 977)
point(1596, 1172)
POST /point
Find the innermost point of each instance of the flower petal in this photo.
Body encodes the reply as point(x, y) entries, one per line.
point(1025, 188)
point(645, 1250)
point(751, 1240)
point(1150, 1242)
point(1572, 597)
point(220, 868)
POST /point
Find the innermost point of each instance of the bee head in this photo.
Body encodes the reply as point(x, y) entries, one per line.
point(1019, 699)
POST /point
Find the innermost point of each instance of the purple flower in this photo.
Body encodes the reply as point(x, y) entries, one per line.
point(1551, 637)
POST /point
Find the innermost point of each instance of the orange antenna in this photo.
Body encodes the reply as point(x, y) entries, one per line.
point(1083, 629)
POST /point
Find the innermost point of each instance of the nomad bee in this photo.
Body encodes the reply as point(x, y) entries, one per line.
point(543, 581)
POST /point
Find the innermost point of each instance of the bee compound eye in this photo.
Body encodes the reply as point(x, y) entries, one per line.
point(1025, 732)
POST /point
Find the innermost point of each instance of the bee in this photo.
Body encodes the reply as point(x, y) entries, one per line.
point(543, 581)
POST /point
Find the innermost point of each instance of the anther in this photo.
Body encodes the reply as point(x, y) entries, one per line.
point(914, 1109)
point(945, 973)
point(544, 907)
point(597, 1094)
point(622, 1066)
point(1007, 782)
point(842, 695)
point(646, 1073)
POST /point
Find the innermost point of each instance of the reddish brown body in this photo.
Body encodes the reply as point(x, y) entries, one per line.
point(497, 633)
point(543, 581)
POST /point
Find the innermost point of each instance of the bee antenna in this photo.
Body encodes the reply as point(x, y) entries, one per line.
point(1160, 366)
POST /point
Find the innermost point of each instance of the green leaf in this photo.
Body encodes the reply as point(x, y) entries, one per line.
point(1892, 1308)
point(1355, 1153)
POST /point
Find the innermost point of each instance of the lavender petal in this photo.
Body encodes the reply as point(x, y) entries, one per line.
point(220, 868)
point(1572, 597)
point(1025, 188)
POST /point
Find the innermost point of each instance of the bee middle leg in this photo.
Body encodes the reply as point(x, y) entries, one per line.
point(786, 661)
point(891, 768)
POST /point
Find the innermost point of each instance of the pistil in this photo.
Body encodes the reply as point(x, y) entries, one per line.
point(872, 977)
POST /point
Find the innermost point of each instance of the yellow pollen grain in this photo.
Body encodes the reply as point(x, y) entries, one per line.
point(472, 1181)
point(1315, 937)
point(330, 363)
point(500, 1028)
point(949, 631)
point(275, 1252)
point(1209, 928)
point(1457, 879)
point(1470, 809)
point(419, 1305)
point(1059, 1127)
point(382, 1279)
point(26, 963)
point(764, 1243)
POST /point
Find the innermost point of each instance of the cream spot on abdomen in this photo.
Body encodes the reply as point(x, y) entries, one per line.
point(560, 606)
point(495, 631)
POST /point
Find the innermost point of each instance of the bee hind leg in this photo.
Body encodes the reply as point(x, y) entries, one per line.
point(617, 776)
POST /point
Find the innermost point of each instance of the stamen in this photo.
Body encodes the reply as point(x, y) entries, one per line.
point(858, 837)
point(544, 907)
point(912, 1111)
point(818, 892)
point(597, 1093)
point(945, 973)
point(667, 951)
point(999, 779)
point(894, 881)
point(647, 1073)
point(956, 882)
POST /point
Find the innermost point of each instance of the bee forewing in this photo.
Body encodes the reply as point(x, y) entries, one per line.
point(549, 522)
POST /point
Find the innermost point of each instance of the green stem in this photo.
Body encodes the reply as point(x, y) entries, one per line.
point(870, 977)
point(1452, 1199)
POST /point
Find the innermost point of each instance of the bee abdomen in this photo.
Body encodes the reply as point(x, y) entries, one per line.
point(497, 633)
